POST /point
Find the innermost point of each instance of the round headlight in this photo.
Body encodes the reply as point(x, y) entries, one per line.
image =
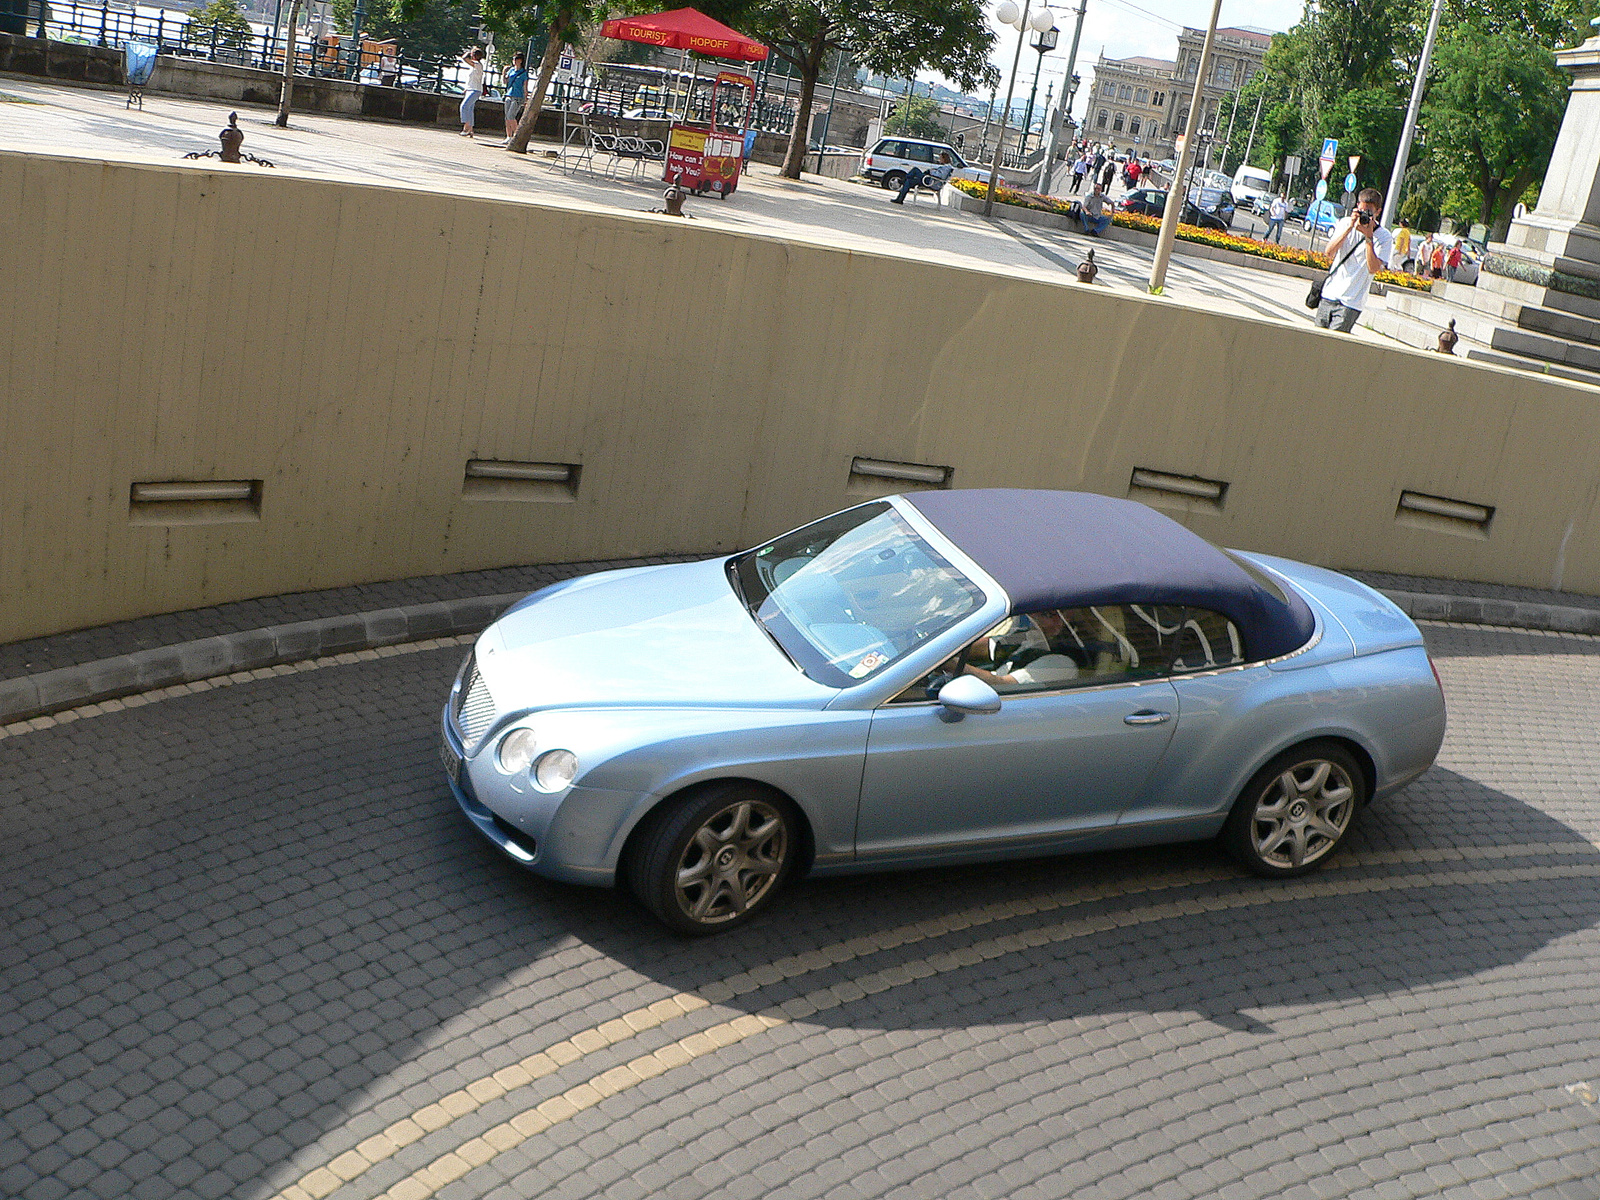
point(555, 770)
point(516, 750)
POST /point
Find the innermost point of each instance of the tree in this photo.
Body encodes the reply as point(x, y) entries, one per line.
point(895, 37)
point(431, 29)
point(1492, 110)
point(916, 116)
point(233, 30)
point(286, 95)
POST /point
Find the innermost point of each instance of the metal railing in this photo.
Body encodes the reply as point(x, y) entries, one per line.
point(329, 56)
point(334, 56)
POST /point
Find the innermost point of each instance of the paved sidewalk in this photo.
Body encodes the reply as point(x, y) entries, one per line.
point(57, 119)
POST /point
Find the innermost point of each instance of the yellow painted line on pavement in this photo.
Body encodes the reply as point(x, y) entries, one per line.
point(352, 1164)
point(452, 1165)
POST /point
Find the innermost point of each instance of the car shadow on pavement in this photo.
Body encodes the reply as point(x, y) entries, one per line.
point(1445, 881)
point(244, 928)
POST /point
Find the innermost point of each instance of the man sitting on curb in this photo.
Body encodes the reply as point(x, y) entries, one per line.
point(1096, 220)
point(940, 172)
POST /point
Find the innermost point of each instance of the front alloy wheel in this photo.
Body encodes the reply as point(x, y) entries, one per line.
point(1296, 810)
point(714, 859)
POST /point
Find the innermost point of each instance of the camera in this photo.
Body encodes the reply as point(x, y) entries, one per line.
point(1364, 218)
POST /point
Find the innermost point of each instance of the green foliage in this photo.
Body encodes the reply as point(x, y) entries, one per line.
point(892, 37)
point(916, 116)
point(233, 30)
point(1492, 112)
point(430, 29)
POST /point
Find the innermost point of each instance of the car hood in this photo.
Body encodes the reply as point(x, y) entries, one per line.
point(670, 636)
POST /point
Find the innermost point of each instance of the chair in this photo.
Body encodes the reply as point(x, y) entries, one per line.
point(577, 144)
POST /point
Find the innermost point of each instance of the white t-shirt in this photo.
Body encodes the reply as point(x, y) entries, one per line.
point(1046, 670)
point(1349, 284)
point(475, 76)
point(1278, 210)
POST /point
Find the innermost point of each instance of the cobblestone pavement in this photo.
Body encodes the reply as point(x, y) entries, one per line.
point(251, 950)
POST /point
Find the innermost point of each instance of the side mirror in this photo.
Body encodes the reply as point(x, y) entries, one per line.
point(967, 694)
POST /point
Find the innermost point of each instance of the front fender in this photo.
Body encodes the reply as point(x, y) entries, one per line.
point(631, 760)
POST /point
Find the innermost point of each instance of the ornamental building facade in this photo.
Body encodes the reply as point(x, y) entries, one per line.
point(1143, 103)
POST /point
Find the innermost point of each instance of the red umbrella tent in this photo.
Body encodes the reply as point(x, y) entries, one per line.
point(701, 157)
point(686, 29)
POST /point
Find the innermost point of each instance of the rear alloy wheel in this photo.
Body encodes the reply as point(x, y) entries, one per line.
point(894, 181)
point(714, 859)
point(1296, 810)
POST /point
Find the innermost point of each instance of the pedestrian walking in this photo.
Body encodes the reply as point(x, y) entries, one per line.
point(1277, 214)
point(1423, 260)
point(1080, 171)
point(516, 93)
point(473, 61)
point(1107, 175)
point(1134, 171)
point(1359, 248)
point(1438, 260)
point(1452, 260)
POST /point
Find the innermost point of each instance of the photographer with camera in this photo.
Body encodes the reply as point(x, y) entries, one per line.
point(1359, 249)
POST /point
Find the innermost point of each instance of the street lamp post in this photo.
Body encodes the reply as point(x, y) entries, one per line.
point(1007, 13)
point(1043, 44)
point(1391, 202)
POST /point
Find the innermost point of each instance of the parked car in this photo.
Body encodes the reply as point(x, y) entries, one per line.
point(1471, 258)
point(1321, 216)
point(1152, 203)
point(948, 676)
point(891, 159)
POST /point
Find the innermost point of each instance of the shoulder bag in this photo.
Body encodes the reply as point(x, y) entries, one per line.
point(1314, 296)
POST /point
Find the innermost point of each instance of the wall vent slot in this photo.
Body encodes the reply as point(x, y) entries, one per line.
point(1440, 513)
point(194, 502)
point(879, 477)
point(1182, 491)
point(495, 479)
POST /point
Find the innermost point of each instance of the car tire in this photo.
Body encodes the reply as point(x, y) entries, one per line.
point(894, 181)
point(1296, 811)
point(712, 859)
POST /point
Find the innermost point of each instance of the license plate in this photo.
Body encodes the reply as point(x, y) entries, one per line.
point(452, 763)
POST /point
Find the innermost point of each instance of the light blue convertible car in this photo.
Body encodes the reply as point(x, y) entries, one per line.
point(942, 677)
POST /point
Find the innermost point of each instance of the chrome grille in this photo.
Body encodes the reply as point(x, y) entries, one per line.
point(474, 707)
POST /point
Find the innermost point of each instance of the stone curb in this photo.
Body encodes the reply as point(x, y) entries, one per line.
point(49, 692)
point(29, 696)
point(1508, 614)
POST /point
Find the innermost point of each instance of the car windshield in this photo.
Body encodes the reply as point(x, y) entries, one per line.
point(848, 596)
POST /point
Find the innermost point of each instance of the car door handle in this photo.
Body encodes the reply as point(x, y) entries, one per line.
point(1146, 716)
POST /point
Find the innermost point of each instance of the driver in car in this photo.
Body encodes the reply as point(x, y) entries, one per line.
point(1023, 654)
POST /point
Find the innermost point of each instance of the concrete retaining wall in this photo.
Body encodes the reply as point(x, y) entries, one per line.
point(343, 352)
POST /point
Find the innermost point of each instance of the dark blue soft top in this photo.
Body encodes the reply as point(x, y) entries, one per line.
point(1071, 549)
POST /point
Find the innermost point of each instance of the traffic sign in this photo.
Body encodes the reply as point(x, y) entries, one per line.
point(1350, 182)
point(1355, 161)
point(1291, 165)
point(1322, 188)
point(1330, 149)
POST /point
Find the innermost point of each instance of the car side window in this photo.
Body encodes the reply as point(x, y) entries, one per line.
point(889, 149)
point(919, 153)
point(1059, 648)
point(1206, 641)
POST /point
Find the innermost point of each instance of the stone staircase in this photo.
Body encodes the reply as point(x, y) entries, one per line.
point(1500, 320)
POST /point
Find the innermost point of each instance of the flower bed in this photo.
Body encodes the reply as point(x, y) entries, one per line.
point(1004, 194)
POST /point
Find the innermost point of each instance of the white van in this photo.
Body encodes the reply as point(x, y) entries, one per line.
point(1250, 183)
